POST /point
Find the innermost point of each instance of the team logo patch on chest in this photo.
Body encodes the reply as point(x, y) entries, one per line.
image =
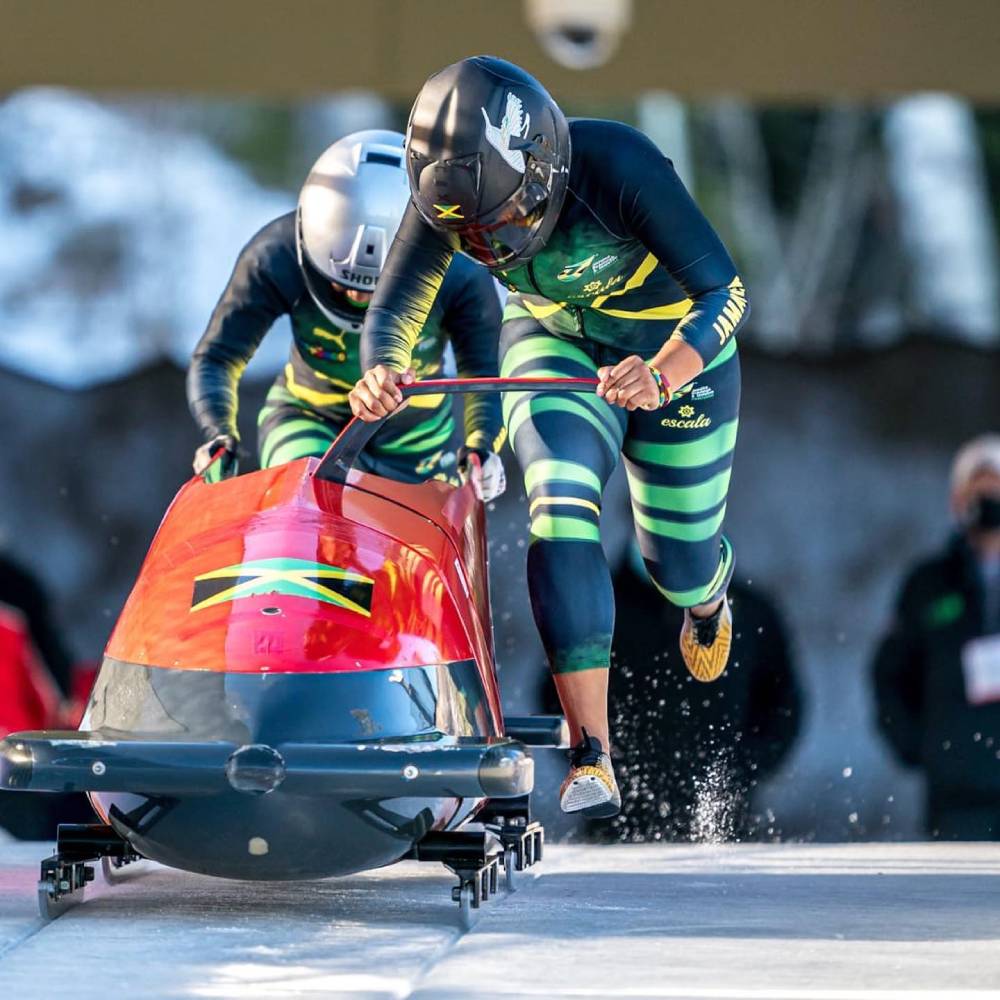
point(332, 345)
point(599, 287)
point(288, 577)
point(336, 337)
point(573, 271)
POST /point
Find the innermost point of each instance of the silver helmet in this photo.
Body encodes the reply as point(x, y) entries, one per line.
point(349, 210)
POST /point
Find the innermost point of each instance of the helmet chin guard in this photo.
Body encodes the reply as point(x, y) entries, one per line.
point(349, 210)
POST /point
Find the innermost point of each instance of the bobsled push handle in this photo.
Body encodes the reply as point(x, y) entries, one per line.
point(224, 465)
point(352, 440)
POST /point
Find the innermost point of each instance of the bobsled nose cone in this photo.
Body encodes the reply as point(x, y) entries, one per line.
point(256, 769)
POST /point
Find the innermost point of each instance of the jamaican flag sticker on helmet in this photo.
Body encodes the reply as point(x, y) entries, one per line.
point(290, 577)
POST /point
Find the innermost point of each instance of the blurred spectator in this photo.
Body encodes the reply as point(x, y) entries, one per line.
point(689, 754)
point(29, 697)
point(20, 590)
point(937, 671)
point(35, 675)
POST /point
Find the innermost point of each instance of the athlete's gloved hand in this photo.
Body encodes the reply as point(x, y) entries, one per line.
point(376, 394)
point(629, 384)
point(484, 469)
point(203, 456)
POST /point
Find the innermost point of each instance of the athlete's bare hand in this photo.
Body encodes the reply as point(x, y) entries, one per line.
point(376, 394)
point(629, 384)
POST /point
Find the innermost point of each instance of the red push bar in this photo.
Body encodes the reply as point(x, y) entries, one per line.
point(343, 453)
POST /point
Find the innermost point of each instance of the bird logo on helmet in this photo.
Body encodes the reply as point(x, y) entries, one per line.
point(487, 155)
point(515, 123)
point(349, 210)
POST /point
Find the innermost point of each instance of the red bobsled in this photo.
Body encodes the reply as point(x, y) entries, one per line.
point(301, 684)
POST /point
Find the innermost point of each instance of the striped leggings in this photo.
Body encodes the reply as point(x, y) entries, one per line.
point(678, 462)
point(415, 445)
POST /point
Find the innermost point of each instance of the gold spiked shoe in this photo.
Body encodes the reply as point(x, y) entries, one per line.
point(705, 643)
point(590, 787)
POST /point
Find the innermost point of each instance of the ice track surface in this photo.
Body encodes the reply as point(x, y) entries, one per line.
point(847, 922)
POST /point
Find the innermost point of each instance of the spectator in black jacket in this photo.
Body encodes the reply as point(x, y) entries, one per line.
point(704, 749)
point(937, 671)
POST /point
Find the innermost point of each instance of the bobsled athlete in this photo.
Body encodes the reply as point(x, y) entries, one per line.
point(613, 272)
point(320, 265)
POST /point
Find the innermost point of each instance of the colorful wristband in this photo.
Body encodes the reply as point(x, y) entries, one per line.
point(662, 384)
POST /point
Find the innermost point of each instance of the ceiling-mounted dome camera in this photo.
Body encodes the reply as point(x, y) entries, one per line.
point(579, 34)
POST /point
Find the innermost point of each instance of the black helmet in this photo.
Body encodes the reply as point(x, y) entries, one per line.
point(488, 159)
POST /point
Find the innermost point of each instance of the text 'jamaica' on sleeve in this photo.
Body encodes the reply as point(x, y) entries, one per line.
point(657, 209)
point(409, 283)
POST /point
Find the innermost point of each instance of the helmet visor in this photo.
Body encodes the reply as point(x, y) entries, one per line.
point(498, 244)
point(330, 299)
point(502, 236)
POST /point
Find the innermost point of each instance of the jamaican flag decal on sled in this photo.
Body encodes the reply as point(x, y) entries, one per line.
point(290, 577)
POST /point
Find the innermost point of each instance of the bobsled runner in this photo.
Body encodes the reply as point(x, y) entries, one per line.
point(301, 684)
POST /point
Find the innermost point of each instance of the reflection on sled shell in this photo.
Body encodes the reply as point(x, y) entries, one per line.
point(258, 822)
point(301, 684)
point(279, 612)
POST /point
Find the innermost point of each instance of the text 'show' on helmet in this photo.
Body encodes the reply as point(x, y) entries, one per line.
point(349, 210)
point(488, 156)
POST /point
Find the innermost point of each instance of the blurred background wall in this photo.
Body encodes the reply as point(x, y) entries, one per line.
point(848, 153)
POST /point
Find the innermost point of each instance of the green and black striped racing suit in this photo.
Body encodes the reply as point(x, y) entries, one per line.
point(631, 262)
point(308, 406)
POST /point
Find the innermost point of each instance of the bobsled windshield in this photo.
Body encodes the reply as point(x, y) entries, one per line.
point(382, 705)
